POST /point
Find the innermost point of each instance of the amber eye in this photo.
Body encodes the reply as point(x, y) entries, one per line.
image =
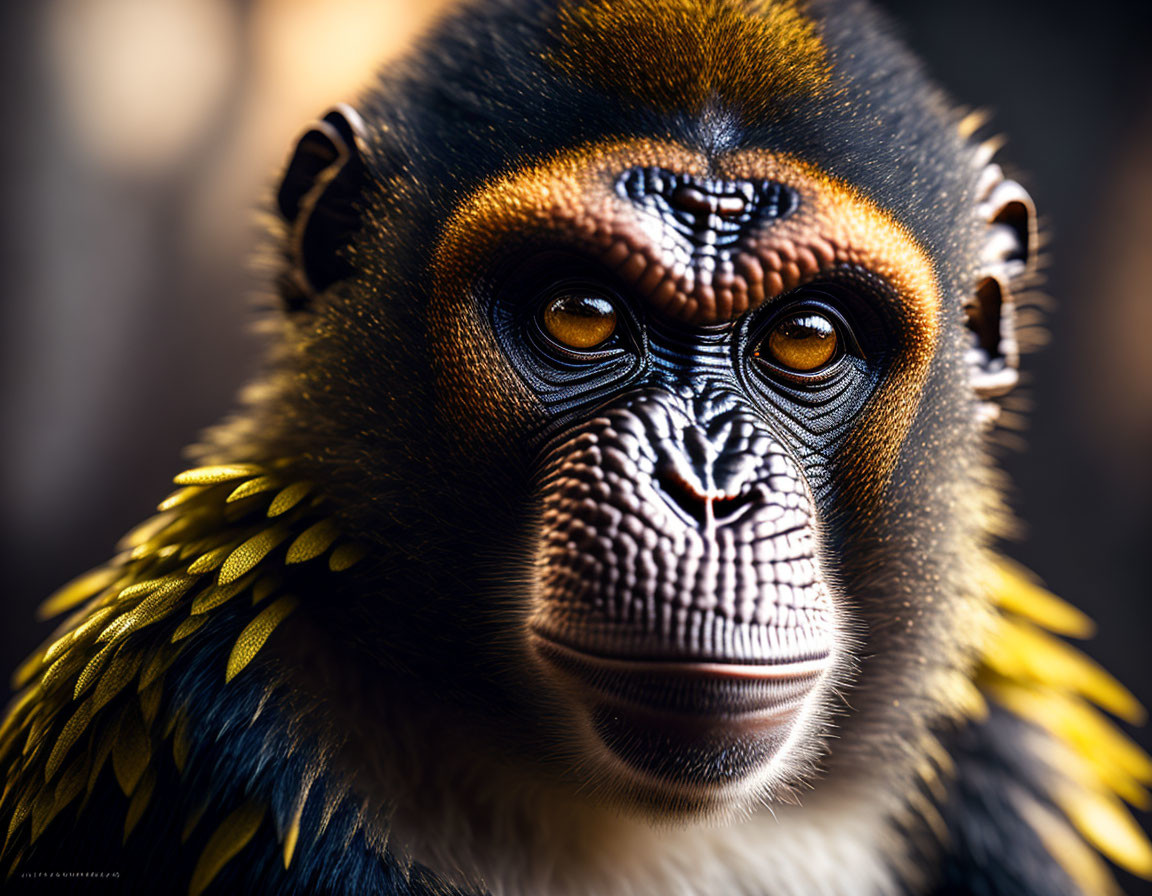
point(579, 320)
point(802, 342)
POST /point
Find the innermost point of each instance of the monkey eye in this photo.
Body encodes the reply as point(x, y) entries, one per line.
point(579, 319)
point(803, 342)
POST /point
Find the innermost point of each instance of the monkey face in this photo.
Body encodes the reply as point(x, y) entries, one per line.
point(704, 351)
point(693, 368)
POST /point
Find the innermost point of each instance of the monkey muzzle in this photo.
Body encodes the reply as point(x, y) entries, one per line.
point(682, 609)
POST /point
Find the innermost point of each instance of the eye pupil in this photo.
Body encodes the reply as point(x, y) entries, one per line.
point(579, 320)
point(803, 342)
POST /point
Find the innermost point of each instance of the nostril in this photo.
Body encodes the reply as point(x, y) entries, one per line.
point(683, 495)
point(727, 508)
point(699, 506)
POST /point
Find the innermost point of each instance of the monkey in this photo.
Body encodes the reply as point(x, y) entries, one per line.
point(614, 513)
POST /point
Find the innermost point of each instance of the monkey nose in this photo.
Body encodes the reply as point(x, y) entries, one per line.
point(704, 472)
point(705, 507)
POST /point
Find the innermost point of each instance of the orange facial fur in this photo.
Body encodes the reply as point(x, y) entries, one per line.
point(571, 202)
point(685, 54)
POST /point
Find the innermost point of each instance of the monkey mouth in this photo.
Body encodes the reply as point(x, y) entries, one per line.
point(688, 720)
point(692, 688)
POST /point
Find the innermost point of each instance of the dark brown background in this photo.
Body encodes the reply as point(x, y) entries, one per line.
point(140, 134)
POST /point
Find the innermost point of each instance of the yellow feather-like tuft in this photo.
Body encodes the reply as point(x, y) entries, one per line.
point(119, 673)
point(1104, 822)
point(290, 838)
point(1016, 590)
point(71, 783)
point(1020, 651)
point(139, 802)
point(32, 666)
point(158, 664)
point(253, 487)
point(187, 627)
point(150, 702)
point(972, 122)
point(43, 811)
point(215, 595)
point(1082, 863)
point(147, 530)
point(227, 840)
point(22, 811)
point(181, 496)
point(168, 550)
point(20, 709)
point(170, 723)
point(210, 560)
point(289, 498)
point(345, 556)
point(138, 590)
point(215, 475)
point(1073, 721)
point(292, 835)
point(105, 737)
point(161, 599)
point(245, 558)
point(198, 546)
point(131, 751)
point(180, 745)
point(313, 541)
point(36, 732)
point(62, 670)
point(72, 730)
point(255, 633)
point(1049, 683)
point(1092, 771)
point(77, 591)
point(96, 656)
point(93, 669)
point(265, 588)
point(184, 524)
point(96, 622)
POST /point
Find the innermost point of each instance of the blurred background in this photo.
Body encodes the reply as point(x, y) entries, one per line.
point(143, 135)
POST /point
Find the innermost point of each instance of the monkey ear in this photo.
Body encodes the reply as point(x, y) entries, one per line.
point(318, 198)
point(1007, 258)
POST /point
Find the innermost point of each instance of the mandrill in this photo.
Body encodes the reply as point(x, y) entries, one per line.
point(612, 516)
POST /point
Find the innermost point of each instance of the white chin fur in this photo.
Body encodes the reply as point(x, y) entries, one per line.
point(835, 850)
point(501, 835)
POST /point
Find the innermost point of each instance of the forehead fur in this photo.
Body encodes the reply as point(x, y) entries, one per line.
point(502, 85)
point(745, 55)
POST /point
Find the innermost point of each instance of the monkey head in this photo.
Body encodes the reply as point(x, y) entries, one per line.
point(649, 356)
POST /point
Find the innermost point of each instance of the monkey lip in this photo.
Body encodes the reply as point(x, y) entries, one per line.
point(688, 691)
